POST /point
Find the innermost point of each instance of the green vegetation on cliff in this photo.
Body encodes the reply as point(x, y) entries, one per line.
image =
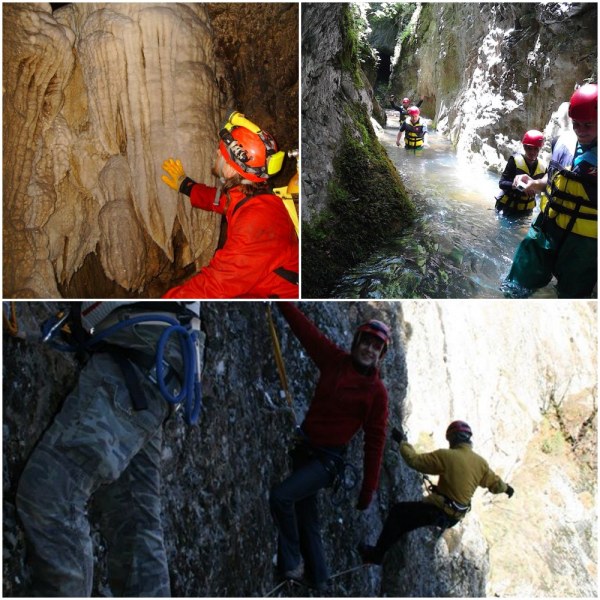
point(366, 205)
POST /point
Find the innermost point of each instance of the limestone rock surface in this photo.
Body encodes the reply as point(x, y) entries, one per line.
point(489, 72)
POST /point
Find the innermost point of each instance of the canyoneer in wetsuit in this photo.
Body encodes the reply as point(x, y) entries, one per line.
point(461, 471)
point(415, 129)
point(403, 108)
point(349, 396)
point(563, 240)
point(260, 256)
point(512, 201)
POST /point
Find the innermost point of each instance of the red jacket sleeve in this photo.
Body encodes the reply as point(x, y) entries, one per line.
point(203, 196)
point(374, 440)
point(253, 250)
point(319, 347)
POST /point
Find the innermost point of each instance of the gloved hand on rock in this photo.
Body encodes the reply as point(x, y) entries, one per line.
point(175, 171)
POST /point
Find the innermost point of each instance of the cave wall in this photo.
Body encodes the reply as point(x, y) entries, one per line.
point(487, 363)
point(491, 71)
point(96, 96)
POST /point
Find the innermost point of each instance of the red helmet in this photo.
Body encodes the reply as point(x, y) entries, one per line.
point(247, 152)
point(405, 101)
point(533, 137)
point(376, 328)
point(583, 105)
point(414, 110)
point(458, 428)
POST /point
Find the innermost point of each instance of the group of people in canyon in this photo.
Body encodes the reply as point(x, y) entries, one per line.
point(562, 241)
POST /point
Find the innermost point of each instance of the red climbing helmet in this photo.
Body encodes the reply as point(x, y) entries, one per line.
point(247, 153)
point(376, 328)
point(583, 105)
point(250, 150)
point(405, 101)
point(414, 110)
point(533, 137)
point(458, 429)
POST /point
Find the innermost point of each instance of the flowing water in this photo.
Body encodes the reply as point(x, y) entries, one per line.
point(458, 246)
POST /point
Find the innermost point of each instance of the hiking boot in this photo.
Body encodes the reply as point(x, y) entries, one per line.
point(295, 574)
point(369, 554)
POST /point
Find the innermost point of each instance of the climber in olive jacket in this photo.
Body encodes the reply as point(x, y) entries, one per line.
point(461, 471)
point(349, 396)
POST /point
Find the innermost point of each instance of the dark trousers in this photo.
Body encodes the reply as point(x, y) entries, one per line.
point(294, 509)
point(406, 516)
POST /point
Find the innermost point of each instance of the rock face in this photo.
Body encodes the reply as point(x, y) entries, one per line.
point(505, 371)
point(489, 72)
point(96, 97)
point(349, 185)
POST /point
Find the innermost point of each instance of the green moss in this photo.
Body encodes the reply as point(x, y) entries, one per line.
point(366, 206)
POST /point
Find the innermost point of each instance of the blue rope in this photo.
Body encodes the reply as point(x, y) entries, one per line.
point(191, 390)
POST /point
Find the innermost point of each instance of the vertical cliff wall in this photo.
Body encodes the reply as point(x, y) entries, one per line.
point(353, 198)
point(505, 371)
point(489, 72)
point(96, 96)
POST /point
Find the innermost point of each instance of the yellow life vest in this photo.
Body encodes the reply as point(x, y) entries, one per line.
point(568, 202)
point(523, 202)
point(414, 139)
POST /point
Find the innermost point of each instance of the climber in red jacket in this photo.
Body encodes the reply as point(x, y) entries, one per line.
point(260, 256)
point(349, 396)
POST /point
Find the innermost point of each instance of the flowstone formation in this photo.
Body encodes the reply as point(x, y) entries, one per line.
point(96, 96)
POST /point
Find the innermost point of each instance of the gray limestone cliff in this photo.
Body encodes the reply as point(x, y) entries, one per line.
point(491, 71)
point(350, 187)
point(526, 380)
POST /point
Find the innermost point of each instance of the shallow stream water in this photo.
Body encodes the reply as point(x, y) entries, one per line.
point(458, 247)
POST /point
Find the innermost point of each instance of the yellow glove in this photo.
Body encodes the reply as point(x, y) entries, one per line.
point(175, 171)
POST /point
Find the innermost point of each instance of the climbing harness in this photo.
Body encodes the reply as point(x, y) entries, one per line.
point(345, 474)
point(190, 395)
point(446, 520)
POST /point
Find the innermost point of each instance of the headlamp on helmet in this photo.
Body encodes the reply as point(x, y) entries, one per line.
point(251, 151)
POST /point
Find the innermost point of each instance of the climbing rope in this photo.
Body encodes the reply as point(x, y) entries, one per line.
point(285, 390)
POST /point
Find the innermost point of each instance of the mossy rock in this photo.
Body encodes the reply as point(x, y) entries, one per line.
point(367, 205)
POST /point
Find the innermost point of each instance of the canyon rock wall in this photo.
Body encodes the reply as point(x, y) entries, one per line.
point(505, 371)
point(489, 72)
point(96, 96)
point(349, 185)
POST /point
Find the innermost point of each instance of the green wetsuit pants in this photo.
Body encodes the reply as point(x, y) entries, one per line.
point(546, 251)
